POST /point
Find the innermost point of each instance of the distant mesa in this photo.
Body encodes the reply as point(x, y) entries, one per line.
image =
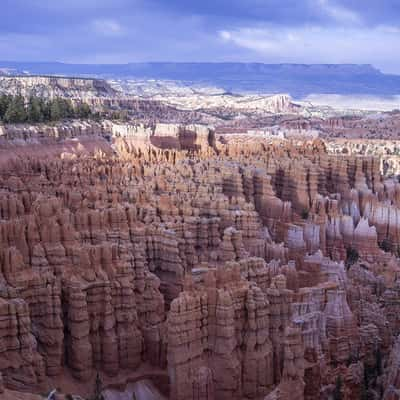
point(299, 80)
point(52, 86)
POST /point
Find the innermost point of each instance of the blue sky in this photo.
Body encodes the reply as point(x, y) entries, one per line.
point(272, 31)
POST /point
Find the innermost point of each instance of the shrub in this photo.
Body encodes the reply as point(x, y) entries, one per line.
point(352, 256)
point(385, 245)
point(305, 213)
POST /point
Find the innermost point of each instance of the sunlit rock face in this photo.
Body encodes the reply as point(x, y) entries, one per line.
point(50, 87)
point(237, 269)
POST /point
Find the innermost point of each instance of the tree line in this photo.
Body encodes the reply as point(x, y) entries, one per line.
point(15, 109)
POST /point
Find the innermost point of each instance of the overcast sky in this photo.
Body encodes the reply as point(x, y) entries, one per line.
point(271, 31)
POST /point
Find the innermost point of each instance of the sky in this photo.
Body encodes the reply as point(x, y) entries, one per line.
point(271, 31)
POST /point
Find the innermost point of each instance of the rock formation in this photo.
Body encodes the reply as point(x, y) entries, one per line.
point(239, 269)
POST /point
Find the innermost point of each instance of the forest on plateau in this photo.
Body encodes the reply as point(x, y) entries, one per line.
point(17, 109)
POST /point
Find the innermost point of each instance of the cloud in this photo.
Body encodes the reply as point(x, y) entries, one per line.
point(389, 29)
point(339, 13)
point(107, 27)
point(271, 31)
point(316, 44)
point(225, 35)
point(262, 41)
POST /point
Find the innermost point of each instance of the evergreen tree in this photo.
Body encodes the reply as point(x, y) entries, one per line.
point(45, 109)
point(96, 116)
point(337, 393)
point(378, 359)
point(66, 108)
point(55, 110)
point(364, 392)
point(13, 109)
point(16, 112)
point(4, 102)
point(70, 109)
point(98, 387)
point(83, 111)
point(352, 256)
point(35, 113)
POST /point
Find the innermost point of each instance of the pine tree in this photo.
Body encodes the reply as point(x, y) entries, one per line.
point(16, 112)
point(66, 109)
point(96, 116)
point(35, 113)
point(4, 102)
point(98, 387)
point(337, 393)
point(364, 392)
point(69, 109)
point(378, 359)
point(45, 108)
point(13, 109)
point(83, 111)
point(55, 110)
